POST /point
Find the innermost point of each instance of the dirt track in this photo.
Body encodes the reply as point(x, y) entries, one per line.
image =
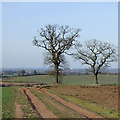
point(84, 112)
point(15, 84)
point(45, 113)
point(41, 108)
point(18, 111)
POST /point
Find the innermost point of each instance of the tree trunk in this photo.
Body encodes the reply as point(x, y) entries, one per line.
point(56, 74)
point(96, 79)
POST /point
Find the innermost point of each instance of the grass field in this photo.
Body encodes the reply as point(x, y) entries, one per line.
point(8, 107)
point(67, 80)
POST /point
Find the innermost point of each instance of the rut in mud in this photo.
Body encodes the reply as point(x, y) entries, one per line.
point(61, 108)
point(85, 113)
point(32, 105)
point(38, 105)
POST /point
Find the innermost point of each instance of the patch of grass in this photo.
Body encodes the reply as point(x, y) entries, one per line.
point(25, 106)
point(103, 111)
point(67, 113)
point(8, 108)
point(89, 79)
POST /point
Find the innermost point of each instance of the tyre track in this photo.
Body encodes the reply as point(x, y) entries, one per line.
point(38, 106)
point(85, 113)
point(58, 107)
point(32, 105)
point(18, 111)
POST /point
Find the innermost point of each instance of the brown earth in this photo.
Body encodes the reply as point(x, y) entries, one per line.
point(52, 103)
point(74, 107)
point(41, 108)
point(60, 107)
point(103, 95)
point(13, 83)
point(18, 111)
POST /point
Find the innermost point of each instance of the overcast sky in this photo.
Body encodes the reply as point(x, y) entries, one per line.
point(22, 20)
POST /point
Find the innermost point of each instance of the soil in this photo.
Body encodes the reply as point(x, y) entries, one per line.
point(41, 108)
point(14, 84)
point(106, 96)
point(52, 103)
point(18, 111)
point(32, 105)
point(81, 111)
point(103, 95)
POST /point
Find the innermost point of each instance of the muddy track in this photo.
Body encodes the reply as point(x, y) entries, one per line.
point(38, 106)
point(59, 107)
point(85, 113)
point(18, 111)
point(32, 105)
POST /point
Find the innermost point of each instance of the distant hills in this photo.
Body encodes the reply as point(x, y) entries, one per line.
point(77, 70)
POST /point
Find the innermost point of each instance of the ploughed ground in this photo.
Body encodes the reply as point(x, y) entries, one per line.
point(45, 113)
point(103, 95)
point(106, 96)
point(85, 113)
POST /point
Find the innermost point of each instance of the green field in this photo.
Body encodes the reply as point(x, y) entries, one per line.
point(8, 107)
point(67, 80)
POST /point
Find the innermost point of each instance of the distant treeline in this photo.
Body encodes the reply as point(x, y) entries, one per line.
point(8, 73)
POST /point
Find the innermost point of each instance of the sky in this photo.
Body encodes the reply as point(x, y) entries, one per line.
point(22, 20)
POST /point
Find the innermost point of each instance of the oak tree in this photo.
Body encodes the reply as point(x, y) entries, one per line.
point(56, 40)
point(96, 54)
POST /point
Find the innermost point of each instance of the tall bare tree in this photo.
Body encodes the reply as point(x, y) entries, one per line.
point(96, 54)
point(56, 40)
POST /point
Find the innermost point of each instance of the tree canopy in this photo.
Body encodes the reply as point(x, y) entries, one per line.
point(56, 40)
point(96, 54)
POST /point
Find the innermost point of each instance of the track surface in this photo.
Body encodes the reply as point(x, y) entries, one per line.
point(18, 111)
point(43, 112)
point(74, 107)
point(41, 108)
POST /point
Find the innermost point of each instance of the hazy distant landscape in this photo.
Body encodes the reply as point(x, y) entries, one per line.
point(29, 71)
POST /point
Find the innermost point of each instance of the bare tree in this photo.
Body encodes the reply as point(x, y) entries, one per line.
point(96, 54)
point(56, 40)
